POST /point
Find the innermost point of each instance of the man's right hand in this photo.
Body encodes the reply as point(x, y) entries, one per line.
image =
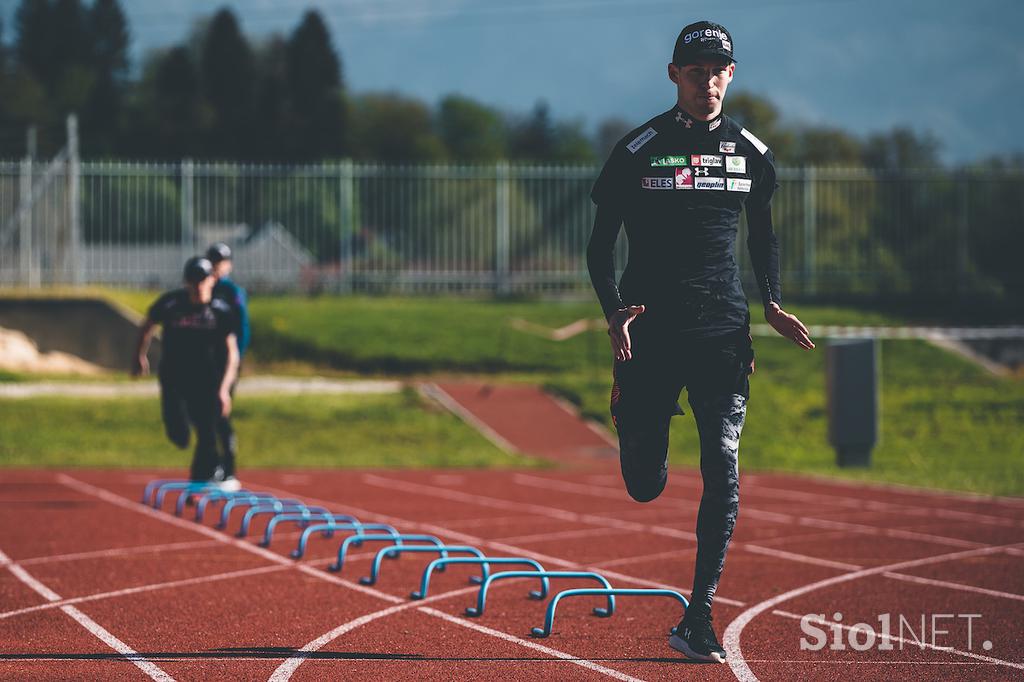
point(618, 331)
point(140, 367)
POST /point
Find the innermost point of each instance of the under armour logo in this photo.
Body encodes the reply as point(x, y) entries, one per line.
point(700, 171)
point(688, 122)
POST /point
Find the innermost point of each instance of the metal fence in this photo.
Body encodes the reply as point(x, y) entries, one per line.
point(455, 228)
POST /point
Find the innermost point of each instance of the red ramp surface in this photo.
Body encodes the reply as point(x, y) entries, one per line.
point(523, 418)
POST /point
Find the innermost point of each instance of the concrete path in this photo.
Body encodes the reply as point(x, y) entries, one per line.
point(258, 385)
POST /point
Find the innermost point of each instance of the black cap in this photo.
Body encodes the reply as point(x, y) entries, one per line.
point(197, 269)
point(702, 40)
point(218, 252)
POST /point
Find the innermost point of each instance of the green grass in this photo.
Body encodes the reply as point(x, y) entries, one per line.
point(398, 430)
point(945, 422)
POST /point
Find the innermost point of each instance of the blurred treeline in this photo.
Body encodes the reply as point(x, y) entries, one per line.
point(222, 96)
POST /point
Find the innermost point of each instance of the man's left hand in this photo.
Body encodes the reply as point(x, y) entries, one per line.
point(225, 403)
point(788, 325)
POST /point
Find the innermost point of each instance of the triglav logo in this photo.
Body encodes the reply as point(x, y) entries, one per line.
point(944, 631)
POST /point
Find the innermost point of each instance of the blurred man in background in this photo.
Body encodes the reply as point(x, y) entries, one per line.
point(678, 183)
point(198, 365)
point(227, 290)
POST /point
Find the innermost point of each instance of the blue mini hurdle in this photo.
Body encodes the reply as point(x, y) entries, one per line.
point(549, 618)
point(247, 501)
point(185, 487)
point(203, 499)
point(328, 530)
point(276, 507)
point(439, 564)
point(397, 539)
point(304, 521)
point(444, 550)
point(481, 598)
point(208, 498)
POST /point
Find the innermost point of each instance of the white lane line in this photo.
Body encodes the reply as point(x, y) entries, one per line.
point(878, 505)
point(546, 559)
point(144, 588)
point(95, 629)
point(592, 519)
point(489, 520)
point(497, 503)
point(131, 551)
point(589, 665)
point(802, 558)
point(121, 551)
point(149, 511)
point(439, 395)
point(135, 506)
point(288, 668)
point(731, 640)
point(746, 510)
point(562, 535)
point(960, 587)
point(987, 660)
point(648, 557)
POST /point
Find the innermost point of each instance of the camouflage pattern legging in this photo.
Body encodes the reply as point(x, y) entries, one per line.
point(644, 459)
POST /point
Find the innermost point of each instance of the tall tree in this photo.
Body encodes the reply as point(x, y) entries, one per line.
point(471, 131)
point(316, 91)
point(171, 119)
point(533, 139)
point(901, 148)
point(34, 41)
point(391, 128)
point(228, 78)
point(101, 118)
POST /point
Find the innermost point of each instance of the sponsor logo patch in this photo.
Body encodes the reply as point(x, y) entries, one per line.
point(641, 139)
point(702, 171)
point(684, 178)
point(671, 160)
point(735, 164)
point(709, 183)
point(658, 183)
point(714, 124)
point(738, 185)
point(727, 147)
point(705, 160)
point(726, 45)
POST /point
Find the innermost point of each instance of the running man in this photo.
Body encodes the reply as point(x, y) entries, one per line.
point(198, 364)
point(679, 316)
point(227, 290)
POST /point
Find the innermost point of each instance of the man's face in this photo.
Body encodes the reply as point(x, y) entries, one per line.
point(202, 291)
point(222, 269)
point(701, 86)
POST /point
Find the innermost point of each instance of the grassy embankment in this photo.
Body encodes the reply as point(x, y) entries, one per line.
point(946, 423)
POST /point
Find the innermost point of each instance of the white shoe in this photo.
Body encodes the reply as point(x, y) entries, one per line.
point(230, 485)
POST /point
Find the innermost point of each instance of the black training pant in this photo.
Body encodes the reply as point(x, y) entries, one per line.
point(187, 405)
point(716, 373)
point(227, 440)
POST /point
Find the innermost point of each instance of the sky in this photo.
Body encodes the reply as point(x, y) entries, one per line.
point(952, 68)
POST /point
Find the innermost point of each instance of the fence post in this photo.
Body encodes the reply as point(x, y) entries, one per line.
point(187, 204)
point(810, 274)
point(74, 251)
point(501, 227)
point(29, 273)
point(346, 224)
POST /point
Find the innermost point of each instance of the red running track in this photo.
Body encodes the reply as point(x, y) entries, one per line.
point(94, 586)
